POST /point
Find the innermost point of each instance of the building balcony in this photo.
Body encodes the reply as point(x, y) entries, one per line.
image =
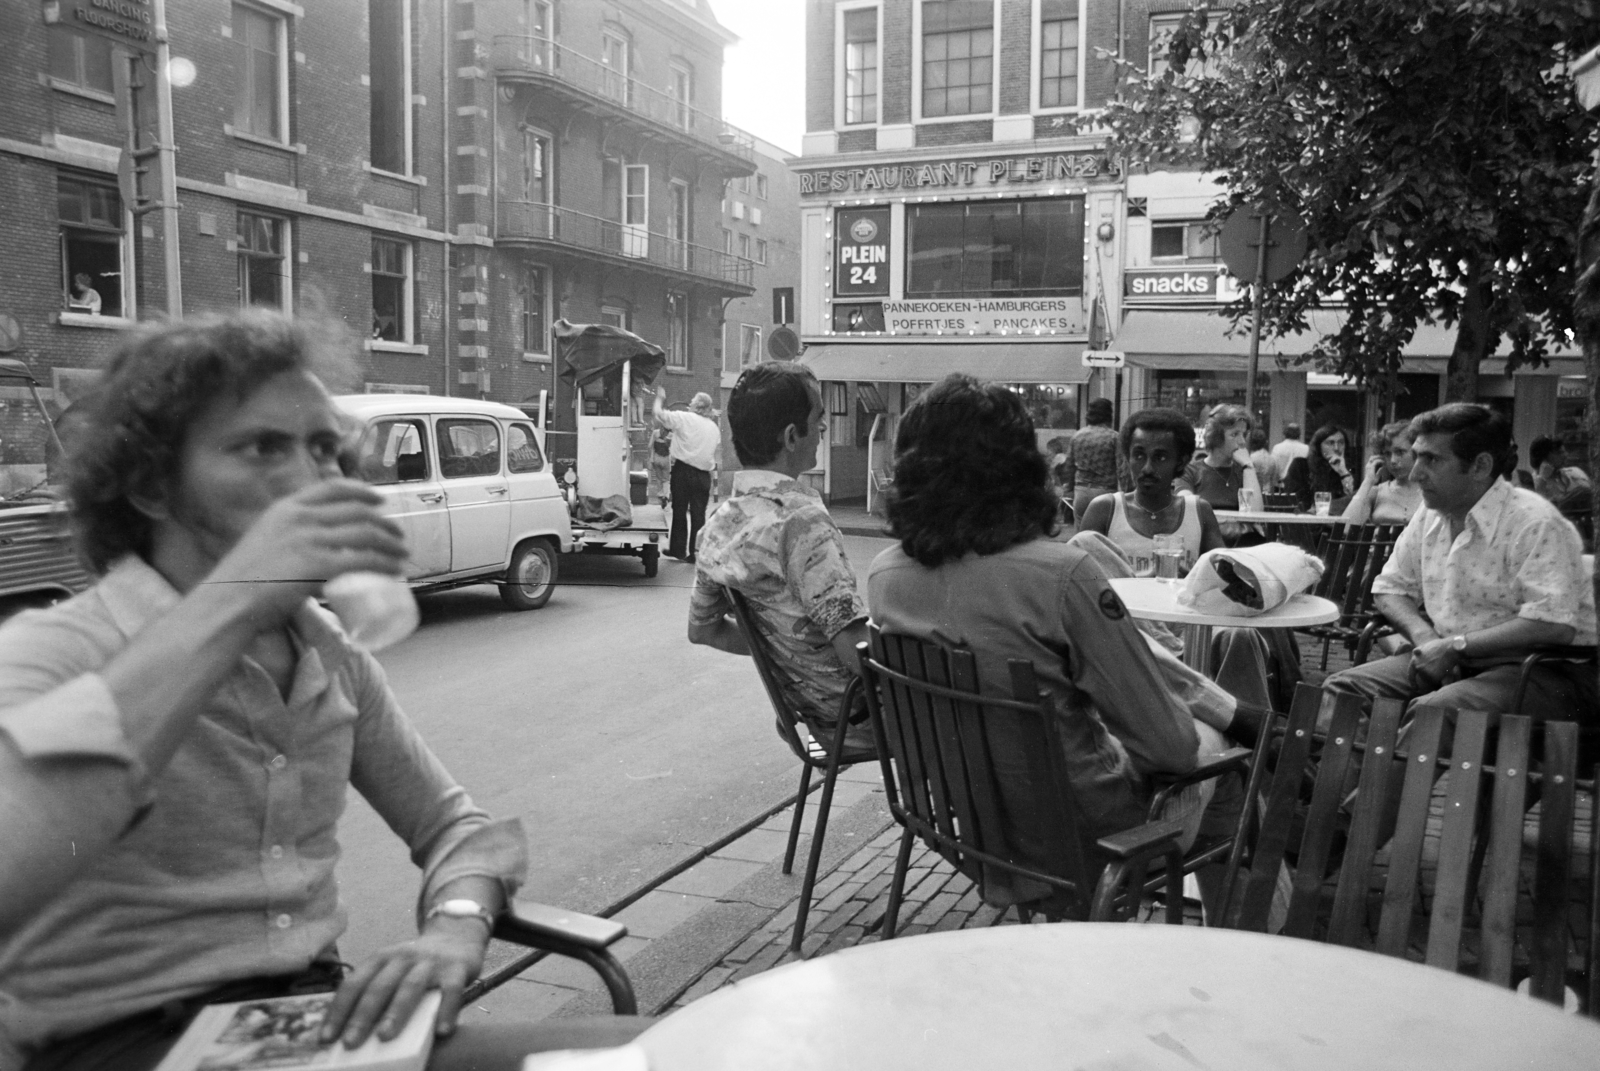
point(532, 223)
point(593, 87)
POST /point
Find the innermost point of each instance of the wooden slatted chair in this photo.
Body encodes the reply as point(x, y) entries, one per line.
point(1010, 824)
point(1278, 502)
point(1352, 558)
point(1482, 800)
point(807, 749)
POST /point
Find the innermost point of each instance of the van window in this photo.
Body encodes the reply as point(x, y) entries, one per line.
point(393, 451)
point(522, 449)
point(468, 448)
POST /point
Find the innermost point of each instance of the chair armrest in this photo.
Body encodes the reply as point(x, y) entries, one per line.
point(1573, 652)
point(1150, 839)
point(1235, 759)
point(525, 922)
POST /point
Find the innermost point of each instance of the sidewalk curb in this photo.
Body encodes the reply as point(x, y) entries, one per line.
point(670, 964)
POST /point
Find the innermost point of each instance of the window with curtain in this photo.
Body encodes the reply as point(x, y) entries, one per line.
point(90, 215)
point(390, 94)
point(995, 248)
point(257, 39)
point(957, 57)
point(391, 290)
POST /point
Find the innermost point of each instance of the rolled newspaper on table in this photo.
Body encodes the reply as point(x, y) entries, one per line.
point(1248, 581)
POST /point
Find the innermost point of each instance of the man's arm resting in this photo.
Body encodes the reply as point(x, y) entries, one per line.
point(1404, 614)
point(1515, 638)
point(844, 644)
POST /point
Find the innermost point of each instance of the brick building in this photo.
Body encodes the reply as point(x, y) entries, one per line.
point(447, 178)
point(951, 220)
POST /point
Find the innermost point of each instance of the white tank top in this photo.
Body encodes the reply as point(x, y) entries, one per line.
point(1140, 548)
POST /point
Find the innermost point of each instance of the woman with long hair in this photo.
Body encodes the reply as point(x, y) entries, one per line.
point(1326, 469)
point(1391, 500)
point(975, 567)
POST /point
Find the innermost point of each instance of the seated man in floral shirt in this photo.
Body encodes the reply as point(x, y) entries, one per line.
point(774, 542)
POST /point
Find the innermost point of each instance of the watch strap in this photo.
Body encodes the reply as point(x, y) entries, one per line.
point(461, 909)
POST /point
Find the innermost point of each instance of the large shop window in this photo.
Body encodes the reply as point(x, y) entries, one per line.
point(1194, 393)
point(391, 290)
point(263, 268)
point(861, 65)
point(995, 248)
point(91, 247)
point(957, 57)
point(388, 53)
point(261, 73)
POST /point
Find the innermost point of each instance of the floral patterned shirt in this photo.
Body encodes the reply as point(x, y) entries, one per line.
point(774, 542)
point(1516, 557)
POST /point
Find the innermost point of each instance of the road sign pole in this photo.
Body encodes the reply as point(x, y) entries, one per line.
point(1255, 315)
point(166, 163)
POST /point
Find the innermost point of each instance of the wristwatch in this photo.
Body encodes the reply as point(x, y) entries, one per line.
point(1458, 643)
point(461, 909)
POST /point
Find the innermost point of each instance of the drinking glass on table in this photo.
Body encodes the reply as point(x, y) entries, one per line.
point(1169, 556)
point(1248, 502)
point(1324, 502)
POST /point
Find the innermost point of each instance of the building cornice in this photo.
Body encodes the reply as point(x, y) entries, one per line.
point(926, 153)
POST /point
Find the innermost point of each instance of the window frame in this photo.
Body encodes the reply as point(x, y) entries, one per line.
point(744, 246)
point(1036, 62)
point(677, 317)
point(407, 277)
point(680, 221)
point(94, 231)
point(762, 186)
point(611, 33)
point(543, 349)
point(417, 424)
point(280, 21)
point(837, 400)
point(527, 428)
point(841, 79)
point(760, 245)
point(1185, 257)
point(917, 115)
point(681, 70)
point(442, 426)
point(539, 54)
point(286, 236)
point(407, 89)
point(81, 41)
point(749, 345)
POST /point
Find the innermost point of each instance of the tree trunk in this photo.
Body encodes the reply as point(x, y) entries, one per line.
point(1586, 316)
point(1472, 341)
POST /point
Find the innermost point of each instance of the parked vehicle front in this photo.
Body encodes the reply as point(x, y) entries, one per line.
point(469, 483)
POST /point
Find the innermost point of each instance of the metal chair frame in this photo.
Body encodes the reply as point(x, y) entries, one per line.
point(810, 754)
point(549, 930)
point(1352, 558)
point(932, 727)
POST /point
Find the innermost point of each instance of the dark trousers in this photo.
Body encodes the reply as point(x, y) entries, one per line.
point(691, 490)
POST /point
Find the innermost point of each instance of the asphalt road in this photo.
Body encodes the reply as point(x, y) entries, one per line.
point(621, 746)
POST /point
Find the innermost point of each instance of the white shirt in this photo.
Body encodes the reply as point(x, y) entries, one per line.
point(695, 438)
point(1516, 557)
point(1286, 452)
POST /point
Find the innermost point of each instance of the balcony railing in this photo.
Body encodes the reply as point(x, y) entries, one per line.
point(536, 221)
point(525, 54)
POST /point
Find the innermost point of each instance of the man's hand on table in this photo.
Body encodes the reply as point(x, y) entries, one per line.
point(386, 990)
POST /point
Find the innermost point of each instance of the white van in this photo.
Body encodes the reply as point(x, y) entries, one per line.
point(469, 482)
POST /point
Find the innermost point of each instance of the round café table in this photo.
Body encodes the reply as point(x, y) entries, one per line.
point(1104, 996)
point(1152, 599)
point(1256, 516)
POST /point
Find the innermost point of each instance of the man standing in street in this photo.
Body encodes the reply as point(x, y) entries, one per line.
point(1286, 452)
point(695, 439)
point(1566, 485)
point(1090, 469)
point(1484, 572)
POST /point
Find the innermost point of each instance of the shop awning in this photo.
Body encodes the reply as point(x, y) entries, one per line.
point(929, 362)
point(1190, 340)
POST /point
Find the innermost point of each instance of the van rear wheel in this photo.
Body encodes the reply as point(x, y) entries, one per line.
point(531, 580)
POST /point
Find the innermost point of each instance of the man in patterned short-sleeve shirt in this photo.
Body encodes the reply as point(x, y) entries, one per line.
point(774, 542)
point(1480, 575)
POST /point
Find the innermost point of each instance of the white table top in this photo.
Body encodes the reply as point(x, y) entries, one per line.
point(1150, 599)
point(1255, 516)
point(1081, 995)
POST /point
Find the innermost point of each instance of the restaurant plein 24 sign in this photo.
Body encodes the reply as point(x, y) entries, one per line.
point(944, 174)
point(861, 258)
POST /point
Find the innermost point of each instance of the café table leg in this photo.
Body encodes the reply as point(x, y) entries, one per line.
point(1197, 649)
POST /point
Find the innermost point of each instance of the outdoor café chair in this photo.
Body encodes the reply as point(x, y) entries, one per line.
point(1017, 827)
point(1352, 884)
point(551, 931)
point(1352, 558)
point(807, 749)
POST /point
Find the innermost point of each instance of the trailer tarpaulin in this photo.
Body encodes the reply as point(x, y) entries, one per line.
point(589, 351)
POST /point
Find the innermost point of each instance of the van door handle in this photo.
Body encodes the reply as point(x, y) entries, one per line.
point(497, 490)
point(430, 498)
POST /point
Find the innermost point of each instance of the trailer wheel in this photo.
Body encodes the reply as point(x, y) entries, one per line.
point(652, 559)
point(531, 579)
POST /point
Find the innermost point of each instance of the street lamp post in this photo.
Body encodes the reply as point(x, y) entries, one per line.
point(166, 162)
